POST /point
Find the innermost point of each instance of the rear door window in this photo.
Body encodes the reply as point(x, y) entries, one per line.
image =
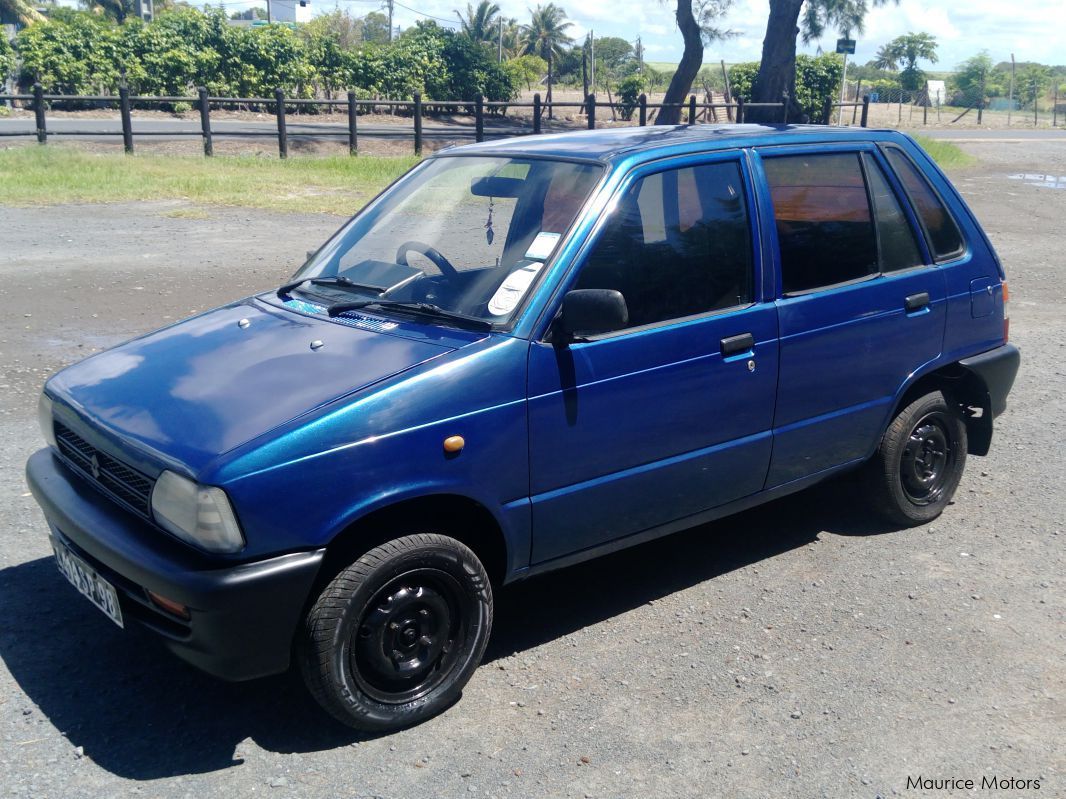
point(945, 240)
point(895, 237)
point(825, 229)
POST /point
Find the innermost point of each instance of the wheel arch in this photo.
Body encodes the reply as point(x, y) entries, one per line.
point(963, 386)
point(454, 515)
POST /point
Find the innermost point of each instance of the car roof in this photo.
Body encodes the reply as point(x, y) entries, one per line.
point(657, 140)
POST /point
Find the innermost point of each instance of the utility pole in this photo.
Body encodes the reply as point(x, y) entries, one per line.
point(640, 58)
point(389, 4)
point(1010, 102)
point(270, 15)
point(500, 60)
point(592, 59)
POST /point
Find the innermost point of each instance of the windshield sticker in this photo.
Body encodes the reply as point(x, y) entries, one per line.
point(514, 288)
point(542, 246)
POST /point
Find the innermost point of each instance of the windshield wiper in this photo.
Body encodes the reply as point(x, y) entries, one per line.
point(330, 280)
point(424, 308)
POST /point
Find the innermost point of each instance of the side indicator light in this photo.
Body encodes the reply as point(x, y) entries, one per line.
point(454, 444)
point(169, 605)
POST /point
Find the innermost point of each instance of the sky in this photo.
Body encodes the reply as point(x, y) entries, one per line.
point(1034, 30)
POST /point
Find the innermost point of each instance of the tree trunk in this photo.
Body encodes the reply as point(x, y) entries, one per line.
point(777, 70)
point(691, 61)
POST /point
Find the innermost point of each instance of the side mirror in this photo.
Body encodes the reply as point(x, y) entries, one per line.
point(590, 311)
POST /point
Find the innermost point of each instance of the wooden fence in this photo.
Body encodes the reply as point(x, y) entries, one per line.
point(733, 111)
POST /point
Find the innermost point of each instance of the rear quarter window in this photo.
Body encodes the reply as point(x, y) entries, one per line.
point(941, 230)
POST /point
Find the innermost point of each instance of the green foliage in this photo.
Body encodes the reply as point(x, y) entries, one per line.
point(629, 91)
point(1033, 82)
point(817, 80)
point(77, 56)
point(82, 53)
point(7, 58)
point(526, 69)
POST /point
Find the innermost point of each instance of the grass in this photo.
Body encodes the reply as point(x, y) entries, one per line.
point(946, 154)
point(34, 175)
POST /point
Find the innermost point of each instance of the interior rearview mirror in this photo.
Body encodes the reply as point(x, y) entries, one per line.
point(590, 311)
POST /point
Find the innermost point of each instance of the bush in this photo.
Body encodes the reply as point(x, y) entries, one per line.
point(76, 52)
point(817, 81)
point(629, 91)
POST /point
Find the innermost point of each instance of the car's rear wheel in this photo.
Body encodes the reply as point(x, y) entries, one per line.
point(396, 635)
point(918, 466)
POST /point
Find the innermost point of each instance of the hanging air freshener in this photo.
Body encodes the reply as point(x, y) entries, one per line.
point(490, 234)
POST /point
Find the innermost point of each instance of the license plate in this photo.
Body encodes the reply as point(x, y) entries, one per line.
point(83, 577)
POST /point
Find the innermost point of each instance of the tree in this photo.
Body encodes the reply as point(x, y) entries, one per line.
point(697, 28)
point(1032, 82)
point(886, 58)
point(545, 35)
point(526, 69)
point(613, 54)
point(972, 78)
point(375, 27)
point(117, 10)
point(481, 24)
point(908, 50)
point(19, 12)
point(777, 68)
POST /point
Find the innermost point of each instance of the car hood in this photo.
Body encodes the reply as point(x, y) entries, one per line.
point(199, 388)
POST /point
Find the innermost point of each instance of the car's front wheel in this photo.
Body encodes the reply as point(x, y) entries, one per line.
point(394, 637)
point(918, 466)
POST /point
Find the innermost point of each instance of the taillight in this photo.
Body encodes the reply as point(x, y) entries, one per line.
point(1006, 313)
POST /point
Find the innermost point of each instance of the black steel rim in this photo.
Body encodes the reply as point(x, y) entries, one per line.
point(928, 459)
point(409, 636)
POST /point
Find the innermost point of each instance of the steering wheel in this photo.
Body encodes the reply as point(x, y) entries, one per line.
point(439, 260)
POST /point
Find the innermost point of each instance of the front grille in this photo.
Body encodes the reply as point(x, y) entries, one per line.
point(125, 484)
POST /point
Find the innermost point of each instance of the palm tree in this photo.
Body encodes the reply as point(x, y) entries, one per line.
point(545, 35)
point(20, 12)
point(912, 47)
point(482, 23)
point(886, 58)
point(117, 10)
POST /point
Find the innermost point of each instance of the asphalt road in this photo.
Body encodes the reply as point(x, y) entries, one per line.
point(798, 650)
point(172, 129)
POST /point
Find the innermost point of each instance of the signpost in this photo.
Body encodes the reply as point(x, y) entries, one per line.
point(847, 47)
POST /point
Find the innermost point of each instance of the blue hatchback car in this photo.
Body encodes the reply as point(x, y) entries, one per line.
point(521, 355)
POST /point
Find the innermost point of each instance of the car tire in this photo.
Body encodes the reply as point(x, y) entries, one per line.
point(393, 638)
point(920, 461)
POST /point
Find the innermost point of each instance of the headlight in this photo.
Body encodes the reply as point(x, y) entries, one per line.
point(44, 419)
point(198, 514)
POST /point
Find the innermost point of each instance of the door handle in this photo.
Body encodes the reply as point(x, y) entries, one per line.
point(915, 302)
point(734, 345)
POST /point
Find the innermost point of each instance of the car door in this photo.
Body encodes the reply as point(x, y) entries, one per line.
point(670, 416)
point(861, 304)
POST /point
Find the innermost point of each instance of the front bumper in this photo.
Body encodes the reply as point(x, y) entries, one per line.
point(242, 617)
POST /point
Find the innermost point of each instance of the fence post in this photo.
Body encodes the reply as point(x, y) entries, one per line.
point(38, 111)
point(591, 110)
point(784, 108)
point(283, 136)
point(479, 118)
point(865, 111)
point(1055, 109)
point(418, 123)
point(692, 109)
point(536, 113)
point(740, 110)
point(827, 110)
point(643, 102)
point(925, 110)
point(205, 121)
point(127, 122)
point(353, 129)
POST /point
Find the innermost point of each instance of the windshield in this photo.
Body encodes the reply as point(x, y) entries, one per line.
point(466, 235)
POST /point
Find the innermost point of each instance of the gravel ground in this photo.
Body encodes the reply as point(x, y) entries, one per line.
point(796, 650)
